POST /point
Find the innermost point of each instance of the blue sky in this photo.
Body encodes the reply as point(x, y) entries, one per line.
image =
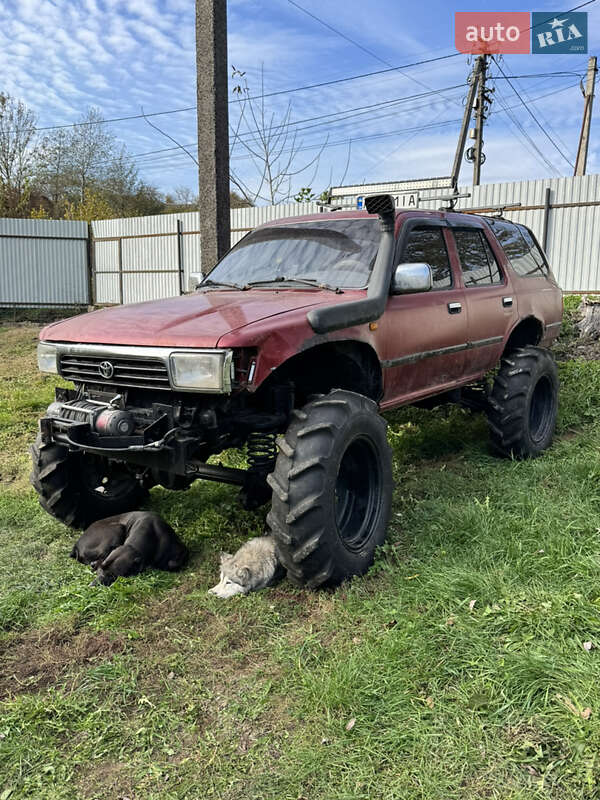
point(61, 56)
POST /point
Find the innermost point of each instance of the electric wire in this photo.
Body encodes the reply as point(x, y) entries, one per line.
point(387, 134)
point(357, 44)
point(254, 97)
point(532, 115)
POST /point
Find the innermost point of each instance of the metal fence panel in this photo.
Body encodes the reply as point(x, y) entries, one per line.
point(141, 254)
point(43, 262)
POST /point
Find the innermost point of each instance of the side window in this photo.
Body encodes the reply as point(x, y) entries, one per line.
point(428, 245)
point(535, 252)
point(477, 261)
point(522, 252)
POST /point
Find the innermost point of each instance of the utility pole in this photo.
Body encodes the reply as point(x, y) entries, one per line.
point(584, 136)
point(462, 137)
point(213, 129)
point(479, 119)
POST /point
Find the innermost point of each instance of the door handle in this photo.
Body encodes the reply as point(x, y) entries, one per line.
point(507, 302)
point(454, 308)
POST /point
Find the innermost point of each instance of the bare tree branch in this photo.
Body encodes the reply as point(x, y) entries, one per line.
point(271, 144)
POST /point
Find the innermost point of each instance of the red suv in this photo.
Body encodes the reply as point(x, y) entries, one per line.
point(291, 346)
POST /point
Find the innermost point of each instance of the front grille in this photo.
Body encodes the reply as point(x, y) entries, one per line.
point(127, 371)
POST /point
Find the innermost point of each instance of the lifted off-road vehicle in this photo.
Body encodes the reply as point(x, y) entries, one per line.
point(291, 346)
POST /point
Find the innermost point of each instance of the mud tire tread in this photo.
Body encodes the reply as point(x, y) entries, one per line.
point(300, 517)
point(510, 400)
point(56, 477)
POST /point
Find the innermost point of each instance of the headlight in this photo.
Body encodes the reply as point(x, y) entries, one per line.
point(46, 357)
point(206, 372)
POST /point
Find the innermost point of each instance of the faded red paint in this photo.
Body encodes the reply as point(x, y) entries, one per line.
point(273, 322)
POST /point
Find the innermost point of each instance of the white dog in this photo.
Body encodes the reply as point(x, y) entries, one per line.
point(254, 566)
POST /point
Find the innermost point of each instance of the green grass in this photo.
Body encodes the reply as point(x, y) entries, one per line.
point(460, 656)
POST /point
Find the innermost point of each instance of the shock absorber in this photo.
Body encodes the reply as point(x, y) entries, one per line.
point(262, 452)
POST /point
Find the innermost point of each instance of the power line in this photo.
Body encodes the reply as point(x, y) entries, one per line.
point(532, 115)
point(558, 74)
point(347, 111)
point(534, 149)
point(298, 88)
point(387, 134)
point(355, 43)
point(323, 116)
point(254, 97)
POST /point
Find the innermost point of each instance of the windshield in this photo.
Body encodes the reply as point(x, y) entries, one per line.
point(340, 252)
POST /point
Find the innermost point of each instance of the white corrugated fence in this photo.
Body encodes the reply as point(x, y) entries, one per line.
point(43, 262)
point(47, 262)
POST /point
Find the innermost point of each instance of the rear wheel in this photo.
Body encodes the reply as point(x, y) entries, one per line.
point(523, 403)
point(332, 489)
point(80, 488)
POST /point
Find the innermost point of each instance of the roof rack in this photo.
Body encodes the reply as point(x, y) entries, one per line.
point(337, 206)
point(449, 199)
point(496, 211)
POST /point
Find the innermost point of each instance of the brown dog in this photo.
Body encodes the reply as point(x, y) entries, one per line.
point(129, 543)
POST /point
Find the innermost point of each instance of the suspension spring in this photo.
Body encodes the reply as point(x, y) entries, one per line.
point(262, 452)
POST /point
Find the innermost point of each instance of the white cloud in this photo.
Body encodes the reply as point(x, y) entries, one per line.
point(61, 56)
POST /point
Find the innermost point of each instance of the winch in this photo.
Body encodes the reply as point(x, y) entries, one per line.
point(103, 418)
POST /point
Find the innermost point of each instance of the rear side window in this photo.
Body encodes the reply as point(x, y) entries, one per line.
point(524, 255)
point(535, 251)
point(427, 245)
point(477, 261)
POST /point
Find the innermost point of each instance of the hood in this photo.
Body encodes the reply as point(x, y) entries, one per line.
point(197, 320)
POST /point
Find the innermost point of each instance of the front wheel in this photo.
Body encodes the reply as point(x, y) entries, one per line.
point(332, 489)
point(80, 488)
point(523, 403)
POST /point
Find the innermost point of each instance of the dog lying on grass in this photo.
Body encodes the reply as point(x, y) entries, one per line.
point(126, 544)
point(253, 567)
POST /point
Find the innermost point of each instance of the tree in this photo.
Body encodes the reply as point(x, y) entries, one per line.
point(91, 148)
point(183, 199)
point(84, 161)
point(271, 145)
point(53, 177)
point(236, 201)
point(17, 160)
point(91, 206)
point(305, 195)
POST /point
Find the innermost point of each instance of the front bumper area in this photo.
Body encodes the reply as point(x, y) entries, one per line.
point(70, 422)
point(159, 448)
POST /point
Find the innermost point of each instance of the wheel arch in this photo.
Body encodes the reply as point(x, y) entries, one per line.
point(341, 364)
point(528, 331)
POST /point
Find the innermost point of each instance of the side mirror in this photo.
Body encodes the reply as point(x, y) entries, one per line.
point(411, 278)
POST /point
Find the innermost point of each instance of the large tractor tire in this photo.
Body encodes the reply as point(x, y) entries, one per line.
point(332, 489)
point(80, 488)
point(523, 403)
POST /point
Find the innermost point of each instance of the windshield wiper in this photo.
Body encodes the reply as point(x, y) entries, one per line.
point(308, 281)
point(210, 282)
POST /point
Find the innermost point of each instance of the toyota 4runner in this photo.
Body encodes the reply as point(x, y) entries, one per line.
point(291, 346)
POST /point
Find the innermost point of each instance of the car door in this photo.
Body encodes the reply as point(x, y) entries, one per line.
point(424, 334)
point(491, 303)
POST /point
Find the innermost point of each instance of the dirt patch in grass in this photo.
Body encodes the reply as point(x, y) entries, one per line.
point(37, 659)
point(584, 348)
point(106, 779)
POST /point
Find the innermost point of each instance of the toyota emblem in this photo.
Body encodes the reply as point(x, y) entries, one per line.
point(106, 369)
